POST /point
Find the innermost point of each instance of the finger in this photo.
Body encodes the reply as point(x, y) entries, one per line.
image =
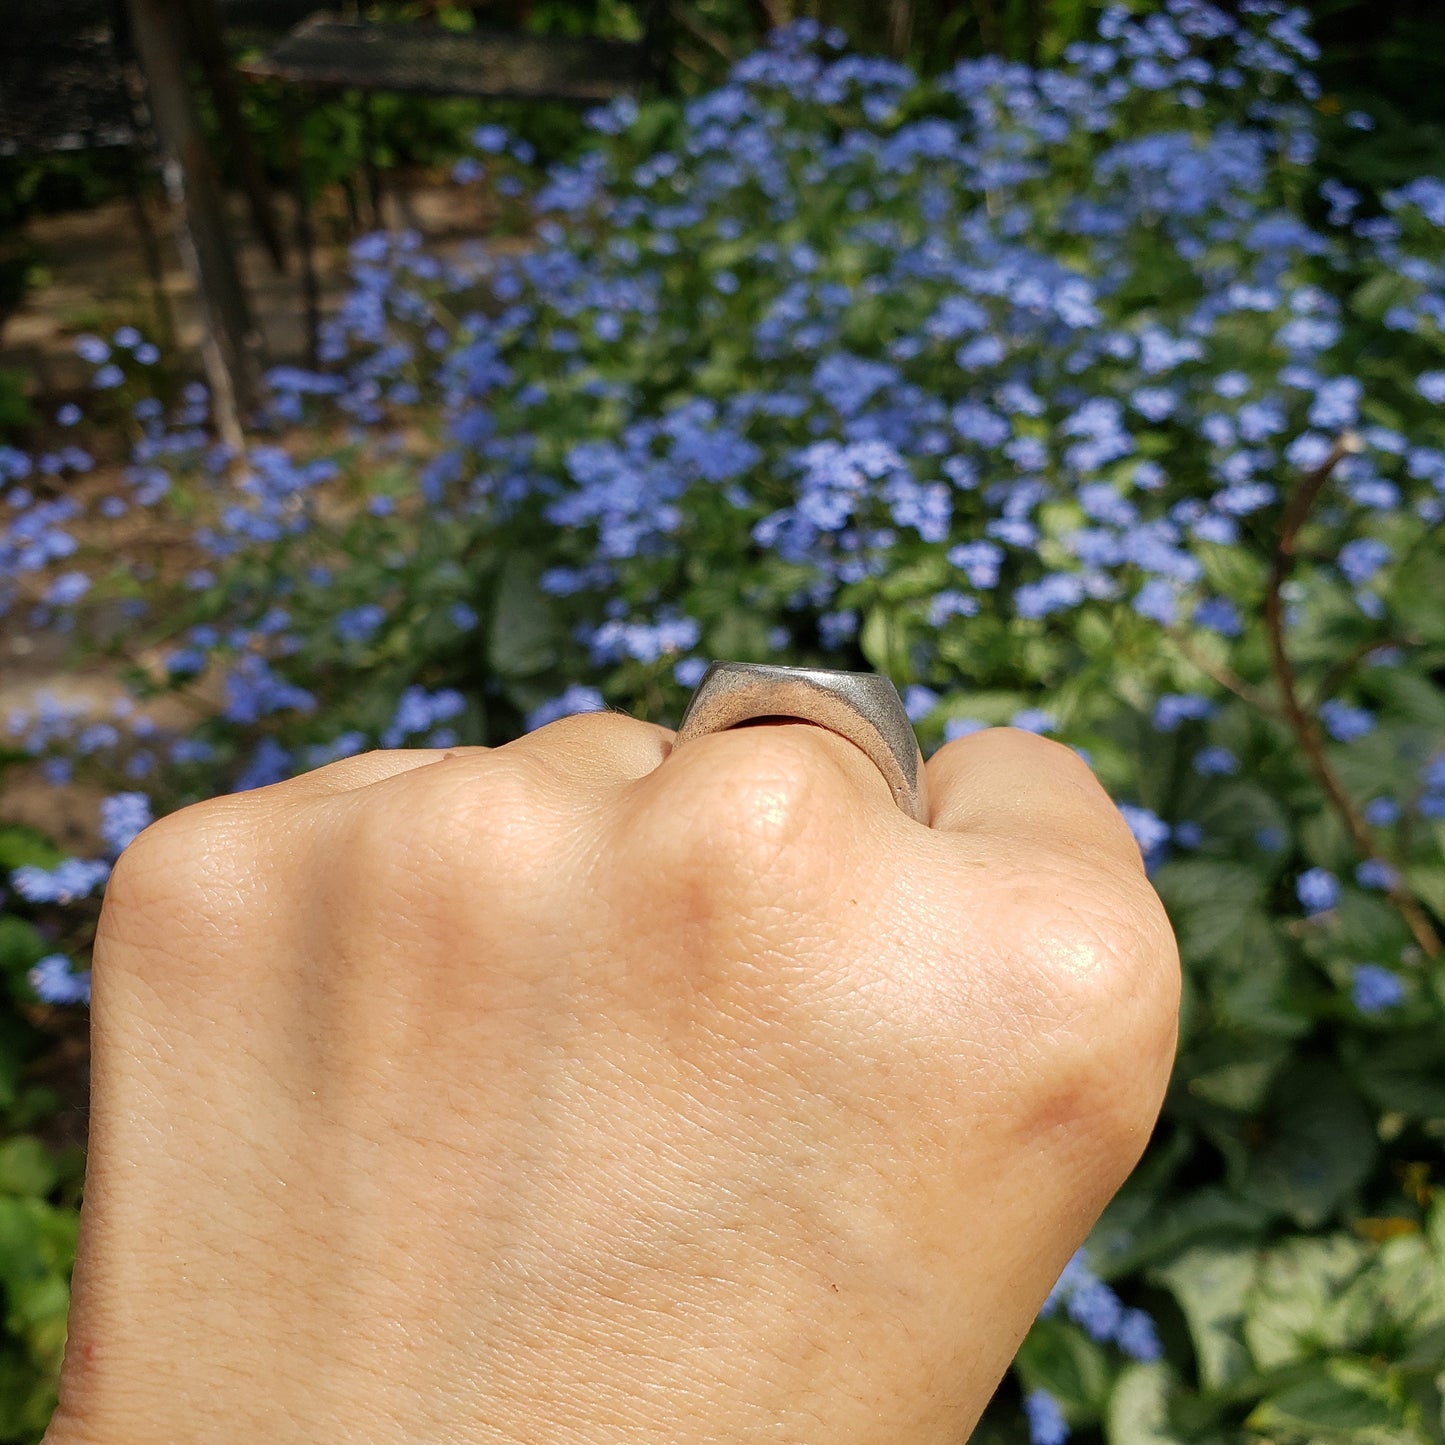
point(1008, 784)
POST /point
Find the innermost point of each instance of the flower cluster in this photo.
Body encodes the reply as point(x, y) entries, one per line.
point(1071, 398)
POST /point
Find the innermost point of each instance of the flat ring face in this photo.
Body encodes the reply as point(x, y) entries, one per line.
point(860, 706)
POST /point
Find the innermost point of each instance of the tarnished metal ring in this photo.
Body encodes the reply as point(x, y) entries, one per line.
point(860, 706)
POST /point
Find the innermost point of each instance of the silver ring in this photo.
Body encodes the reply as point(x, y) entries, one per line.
point(860, 706)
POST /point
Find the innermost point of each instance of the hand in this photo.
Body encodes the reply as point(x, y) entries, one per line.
point(570, 1091)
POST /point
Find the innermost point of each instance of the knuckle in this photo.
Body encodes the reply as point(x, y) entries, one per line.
point(745, 805)
point(177, 893)
point(167, 857)
point(1105, 998)
point(485, 820)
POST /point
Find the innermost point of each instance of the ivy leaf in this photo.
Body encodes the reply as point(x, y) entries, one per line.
point(1211, 1285)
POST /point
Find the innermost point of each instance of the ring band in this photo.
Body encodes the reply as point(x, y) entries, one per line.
point(860, 706)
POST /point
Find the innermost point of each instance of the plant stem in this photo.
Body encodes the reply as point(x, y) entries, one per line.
point(1226, 677)
point(1303, 723)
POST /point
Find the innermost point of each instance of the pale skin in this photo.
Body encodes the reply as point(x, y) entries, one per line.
point(573, 1091)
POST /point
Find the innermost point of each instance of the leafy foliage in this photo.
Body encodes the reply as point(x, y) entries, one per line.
point(1064, 397)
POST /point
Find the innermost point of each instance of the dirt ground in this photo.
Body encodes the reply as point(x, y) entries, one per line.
point(94, 279)
point(95, 275)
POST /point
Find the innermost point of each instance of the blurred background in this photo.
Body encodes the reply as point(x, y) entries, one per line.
point(404, 374)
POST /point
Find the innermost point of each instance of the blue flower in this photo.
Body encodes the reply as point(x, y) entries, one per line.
point(55, 982)
point(688, 671)
point(1361, 558)
point(1375, 989)
point(68, 882)
point(1138, 1337)
point(919, 701)
point(122, 816)
point(1376, 873)
point(1318, 890)
point(576, 698)
point(1033, 720)
point(837, 628)
point(1150, 831)
point(1175, 708)
point(269, 763)
point(1095, 1306)
point(1045, 1419)
point(1157, 600)
point(979, 561)
point(419, 711)
point(961, 727)
point(67, 589)
point(1431, 385)
point(1345, 723)
point(359, 624)
point(253, 691)
point(1217, 614)
point(1215, 762)
point(1056, 592)
point(1382, 812)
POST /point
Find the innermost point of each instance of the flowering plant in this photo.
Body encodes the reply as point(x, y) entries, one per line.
point(1068, 398)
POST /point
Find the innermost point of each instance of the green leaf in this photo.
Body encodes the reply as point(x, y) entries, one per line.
point(1320, 1147)
point(1396, 1301)
point(27, 1167)
point(22, 946)
point(21, 847)
point(1211, 1285)
point(1427, 881)
point(1237, 811)
point(1209, 1214)
point(522, 638)
point(1407, 1077)
point(1386, 288)
point(1234, 1072)
point(884, 640)
point(921, 578)
point(1209, 902)
point(1335, 1398)
point(1290, 1314)
point(1060, 1358)
point(1138, 1411)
